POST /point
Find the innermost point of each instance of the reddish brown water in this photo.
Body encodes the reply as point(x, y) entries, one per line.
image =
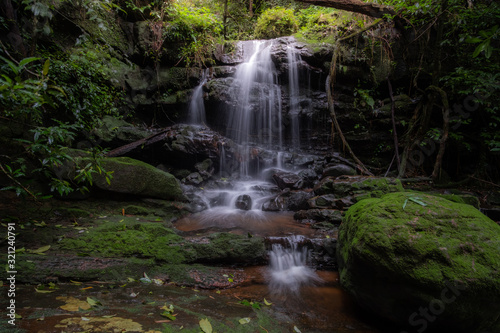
point(322, 308)
point(262, 224)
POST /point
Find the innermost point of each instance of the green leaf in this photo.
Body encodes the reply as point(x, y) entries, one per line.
point(244, 321)
point(26, 61)
point(43, 291)
point(473, 40)
point(404, 204)
point(267, 303)
point(168, 315)
point(418, 201)
point(205, 326)
point(93, 302)
point(40, 249)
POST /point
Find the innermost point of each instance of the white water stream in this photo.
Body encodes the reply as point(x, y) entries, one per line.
point(255, 120)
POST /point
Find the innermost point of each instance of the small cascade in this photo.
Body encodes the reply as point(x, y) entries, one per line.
point(288, 271)
point(197, 106)
point(222, 161)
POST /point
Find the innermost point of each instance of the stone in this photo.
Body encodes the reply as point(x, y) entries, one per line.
point(285, 179)
point(360, 187)
point(288, 201)
point(119, 132)
point(422, 260)
point(322, 201)
point(338, 170)
point(319, 215)
point(244, 202)
point(131, 176)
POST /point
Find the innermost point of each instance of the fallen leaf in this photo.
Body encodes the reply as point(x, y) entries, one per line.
point(40, 249)
point(244, 321)
point(43, 291)
point(93, 302)
point(267, 303)
point(205, 325)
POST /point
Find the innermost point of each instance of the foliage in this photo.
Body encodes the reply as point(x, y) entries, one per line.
point(84, 77)
point(276, 22)
point(25, 99)
point(34, 100)
point(197, 27)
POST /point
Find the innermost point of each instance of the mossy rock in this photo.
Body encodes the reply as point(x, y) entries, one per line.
point(358, 186)
point(230, 248)
point(407, 253)
point(123, 236)
point(118, 129)
point(131, 176)
point(129, 238)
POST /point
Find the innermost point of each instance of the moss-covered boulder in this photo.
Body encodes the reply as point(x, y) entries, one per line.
point(114, 131)
point(423, 261)
point(131, 176)
point(360, 187)
point(124, 236)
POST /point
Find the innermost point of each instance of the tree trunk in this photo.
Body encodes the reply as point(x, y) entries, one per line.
point(356, 6)
point(224, 20)
point(14, 36)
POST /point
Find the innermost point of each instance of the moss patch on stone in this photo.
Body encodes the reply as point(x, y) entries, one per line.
point(358, 186)
point(401, 251)
point(130, 238)
point(135, 177)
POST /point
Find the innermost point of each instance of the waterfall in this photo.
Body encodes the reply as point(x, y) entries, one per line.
point(256, 115)
point(197, 106)
point(294, 59)
point(288, 270)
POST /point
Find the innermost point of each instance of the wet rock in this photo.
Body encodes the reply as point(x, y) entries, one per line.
point(285, 179)
point(228, 248)
point(309, 177)
point(322, 201)
point(319, 215)
point(360, 187)
point(229, 53)
point(338, 170)
point(288, 201)
point(244, 202)
point(205, 168)
point(114, 132)
point(397, 256)
point(193, 179)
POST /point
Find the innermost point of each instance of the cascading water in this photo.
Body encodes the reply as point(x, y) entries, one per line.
point(196, 106)
point(255, 118)
point(254, 124)
point(288, 270)
point(293, 59)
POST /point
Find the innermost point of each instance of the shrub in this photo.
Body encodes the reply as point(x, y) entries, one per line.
point(276, 22)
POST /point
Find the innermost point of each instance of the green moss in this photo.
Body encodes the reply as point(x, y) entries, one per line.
point(73, 212)
point(419, 243)
point(230, 247)
point(136, 177)
point(359, 187)
point(130, 238)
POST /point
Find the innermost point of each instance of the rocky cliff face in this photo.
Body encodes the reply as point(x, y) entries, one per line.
point(158, 92)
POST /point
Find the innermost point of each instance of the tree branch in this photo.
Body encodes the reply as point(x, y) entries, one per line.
point(356, 6)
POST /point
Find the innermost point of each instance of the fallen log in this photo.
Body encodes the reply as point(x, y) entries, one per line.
point(355, 6)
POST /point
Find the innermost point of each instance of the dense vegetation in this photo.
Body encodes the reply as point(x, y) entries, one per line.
point(53, 92)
